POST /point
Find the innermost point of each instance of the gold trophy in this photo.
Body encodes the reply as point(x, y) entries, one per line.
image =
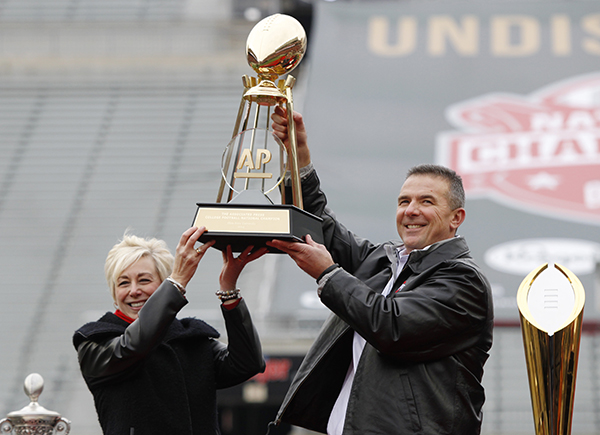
point(550, 301)
point(251, 206)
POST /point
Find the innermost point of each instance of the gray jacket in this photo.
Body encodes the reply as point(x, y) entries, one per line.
point(421, 369)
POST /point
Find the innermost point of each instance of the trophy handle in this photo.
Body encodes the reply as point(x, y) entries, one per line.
point(6, 426)
point(63, 427)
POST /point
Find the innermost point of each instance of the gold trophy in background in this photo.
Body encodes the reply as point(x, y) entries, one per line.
point(251, 205)
point(550, 301)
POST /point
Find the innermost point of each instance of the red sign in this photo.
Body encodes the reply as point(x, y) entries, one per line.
point(538, 153)
point(276, 370)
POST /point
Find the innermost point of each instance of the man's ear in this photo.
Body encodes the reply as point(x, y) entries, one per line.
point(458, 217)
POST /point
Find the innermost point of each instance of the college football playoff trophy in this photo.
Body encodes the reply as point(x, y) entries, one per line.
point(251, 206)
point(550, 301)
point(34, 419)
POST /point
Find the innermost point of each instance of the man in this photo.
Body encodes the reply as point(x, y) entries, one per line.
point(403, 351)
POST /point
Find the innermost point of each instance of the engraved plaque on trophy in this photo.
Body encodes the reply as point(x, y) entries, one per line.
point(251, 206)
point(551, 300)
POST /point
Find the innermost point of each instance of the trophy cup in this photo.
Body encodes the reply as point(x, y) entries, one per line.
point(255, 162)
point(550, 301)
point(34, 419)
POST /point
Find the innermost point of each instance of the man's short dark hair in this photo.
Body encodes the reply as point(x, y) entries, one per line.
point(456, 192)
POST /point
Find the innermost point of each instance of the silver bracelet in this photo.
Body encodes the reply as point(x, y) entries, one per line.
point(177, 285)
point(226, 295)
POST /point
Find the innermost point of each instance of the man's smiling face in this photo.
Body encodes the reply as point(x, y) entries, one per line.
point(424, 215)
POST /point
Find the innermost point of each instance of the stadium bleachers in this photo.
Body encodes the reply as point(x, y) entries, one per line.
point(129, 136)
point(91, 10)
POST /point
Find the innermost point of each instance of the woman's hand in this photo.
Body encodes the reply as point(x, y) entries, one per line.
point(232, 267)
point(187, 256)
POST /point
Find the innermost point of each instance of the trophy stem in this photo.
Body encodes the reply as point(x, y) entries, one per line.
point(252, 143)
point(240, 115)
point(265, 146)
point(238, 153)
point(282, 170)
point(296, 186)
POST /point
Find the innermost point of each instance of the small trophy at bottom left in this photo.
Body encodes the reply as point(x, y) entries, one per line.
point(34, 418)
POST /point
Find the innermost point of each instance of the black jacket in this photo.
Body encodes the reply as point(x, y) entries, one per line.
point(421, 369)
point(160, 375)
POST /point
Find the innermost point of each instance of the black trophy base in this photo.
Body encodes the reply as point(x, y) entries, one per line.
point(243, 225)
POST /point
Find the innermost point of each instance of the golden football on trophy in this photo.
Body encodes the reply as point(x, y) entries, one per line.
point(275, 46)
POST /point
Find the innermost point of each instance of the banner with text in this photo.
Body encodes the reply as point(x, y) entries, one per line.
point(505, 93)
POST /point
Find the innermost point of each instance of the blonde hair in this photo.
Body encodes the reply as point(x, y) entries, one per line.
point(131, 249)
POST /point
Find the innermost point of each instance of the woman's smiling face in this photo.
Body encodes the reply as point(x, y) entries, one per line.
point(135, 285)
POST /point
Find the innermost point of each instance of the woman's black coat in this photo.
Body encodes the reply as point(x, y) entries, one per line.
point(160, 375)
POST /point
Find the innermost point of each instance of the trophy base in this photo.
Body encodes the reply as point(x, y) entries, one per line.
point(243, 225)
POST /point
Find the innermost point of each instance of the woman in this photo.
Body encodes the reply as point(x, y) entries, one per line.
point(149, 372)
